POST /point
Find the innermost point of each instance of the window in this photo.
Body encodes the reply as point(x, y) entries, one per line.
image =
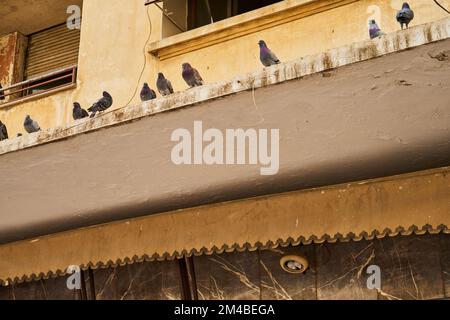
point(50, 64)
point(203, 12)
point(181, 16)
point(51, 49)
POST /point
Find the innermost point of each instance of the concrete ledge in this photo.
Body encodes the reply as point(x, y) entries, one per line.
point(334, 58)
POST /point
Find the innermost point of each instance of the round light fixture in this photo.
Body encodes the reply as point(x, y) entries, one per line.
point(294, 264)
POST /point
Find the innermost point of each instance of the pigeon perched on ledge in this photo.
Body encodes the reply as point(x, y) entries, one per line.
point(31, 125)
point(191, 76)
point(78, 112)
point(3, 132)
point(102, 104)
point(267, 57)
point(405, 15)
point(163, 85)
point(147, 93)
point(374, 30)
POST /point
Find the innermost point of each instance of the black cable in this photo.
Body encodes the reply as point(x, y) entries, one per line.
point(135, 90)
point(442, 7)
point(144, 51)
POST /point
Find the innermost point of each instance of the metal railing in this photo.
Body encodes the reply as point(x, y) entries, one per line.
point(40, 85)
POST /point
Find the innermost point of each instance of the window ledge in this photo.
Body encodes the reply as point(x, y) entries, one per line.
point(39, 95)
point(241, 25)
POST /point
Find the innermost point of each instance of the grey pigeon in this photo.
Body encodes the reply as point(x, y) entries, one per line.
point(3, 132)
point(2, 97)
point(78, 112)
point(374, 30)
point(31, 125)
point(267, 57)
point(191, 76)
point(164, 86)
point(147, 93)
point(405, 15)
point(102, 104)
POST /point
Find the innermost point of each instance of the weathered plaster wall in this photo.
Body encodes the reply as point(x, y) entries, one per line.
point(375, 118)
point(12, 58)
point(111, 58)
point(115, 32)
point(312, 34)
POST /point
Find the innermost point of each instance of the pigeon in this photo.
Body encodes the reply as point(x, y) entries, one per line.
point(191, 76)
point(78, 112)
point(2, 97)
point(3, 132)
point(164, 86)
point(147, 93)
point(30, 125)
point(405, 16)
point(102, 104)
point(267, 57)
point(374, 30)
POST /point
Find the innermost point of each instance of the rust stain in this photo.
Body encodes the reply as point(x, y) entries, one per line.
point(327, 62)
point(7, 54)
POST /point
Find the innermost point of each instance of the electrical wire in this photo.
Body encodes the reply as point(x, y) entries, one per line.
point(441, 6)
point(144, 51)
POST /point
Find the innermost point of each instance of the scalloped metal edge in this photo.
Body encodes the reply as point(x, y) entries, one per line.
point(375, 234)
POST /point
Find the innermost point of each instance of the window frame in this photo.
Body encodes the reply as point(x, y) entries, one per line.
point(23, 86)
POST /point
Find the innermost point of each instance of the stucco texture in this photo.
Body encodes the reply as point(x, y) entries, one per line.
point(376, 118)
point(115, 32)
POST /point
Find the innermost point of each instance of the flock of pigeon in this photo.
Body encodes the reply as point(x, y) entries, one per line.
point(191, 76)
point(404, 17)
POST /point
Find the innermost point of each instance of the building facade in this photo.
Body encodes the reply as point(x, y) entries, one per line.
point(364, 148)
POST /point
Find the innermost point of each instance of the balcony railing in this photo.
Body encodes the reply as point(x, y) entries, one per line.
point(39, 86)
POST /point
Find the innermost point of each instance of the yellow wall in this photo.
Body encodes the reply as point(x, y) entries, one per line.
point(114, 33)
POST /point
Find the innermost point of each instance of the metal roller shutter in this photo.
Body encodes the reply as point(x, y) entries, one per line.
point(52, 49)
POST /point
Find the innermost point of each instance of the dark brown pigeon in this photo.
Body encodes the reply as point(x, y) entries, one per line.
point(374, 30)
point(102, 104)
point(30, 125)
point(164, 86)
point(191, 76)
point(78, 112)
point(147, 93)
point(405, 15)
point(3, 132)
point(267, 57)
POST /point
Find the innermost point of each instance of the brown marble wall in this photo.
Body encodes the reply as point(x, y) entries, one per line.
point(139, 281)
point(51, 289)
point(412, 267)
point(341, 270)
point(228, 276)
point(445, 262)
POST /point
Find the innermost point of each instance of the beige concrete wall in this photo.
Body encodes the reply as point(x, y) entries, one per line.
point(113, 37)
point(114, 33)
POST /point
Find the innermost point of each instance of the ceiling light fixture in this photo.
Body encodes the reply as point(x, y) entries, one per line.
point(294, 264)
